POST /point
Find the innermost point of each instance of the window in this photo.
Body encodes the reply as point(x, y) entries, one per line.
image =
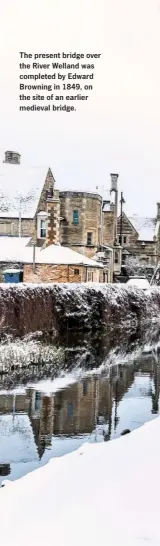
point(119, 239)
point(105, 277)
point(85, 385)
point(37, 400)
point(90, 276)
point(49, 193)
point(43, 229)
point(70, 409)
point(5, 228)
point(89, 238)
point(124, 239)
point(75, 217)
point(116, 258)
point(76, 271)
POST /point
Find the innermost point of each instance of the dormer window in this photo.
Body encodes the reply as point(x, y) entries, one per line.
point(41, 225)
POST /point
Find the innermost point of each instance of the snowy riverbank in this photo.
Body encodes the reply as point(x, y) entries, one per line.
point(101, 494)
point(70, 308)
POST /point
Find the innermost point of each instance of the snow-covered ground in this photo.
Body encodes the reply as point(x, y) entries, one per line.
point(102, 494)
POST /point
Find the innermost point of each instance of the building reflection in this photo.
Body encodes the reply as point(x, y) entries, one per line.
point(79, 408)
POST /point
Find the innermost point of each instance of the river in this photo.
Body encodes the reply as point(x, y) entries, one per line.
point(47, 417)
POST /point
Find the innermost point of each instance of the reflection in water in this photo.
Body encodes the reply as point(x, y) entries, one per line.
point(35, 426)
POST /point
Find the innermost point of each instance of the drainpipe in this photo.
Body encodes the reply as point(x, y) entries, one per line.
point(102, 222)
point(112, 259)
point(34, 257)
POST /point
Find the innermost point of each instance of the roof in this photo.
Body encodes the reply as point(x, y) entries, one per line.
point(15, 249)
point(11, 248)
point(145, 227)
point(56, 254)
point(20, 189)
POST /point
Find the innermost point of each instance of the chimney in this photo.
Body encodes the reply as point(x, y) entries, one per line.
point(114, 181)
point(114, 188)
point(12, 157)
point(158, 211)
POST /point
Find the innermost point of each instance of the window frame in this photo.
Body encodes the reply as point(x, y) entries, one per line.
point(43, 229)
point(91, 234)
point(75, 220)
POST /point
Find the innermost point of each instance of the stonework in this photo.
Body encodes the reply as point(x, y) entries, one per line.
point(53, 222)
point(146, 251)
point(88, 209)
point(108, 228)
point(60, 273)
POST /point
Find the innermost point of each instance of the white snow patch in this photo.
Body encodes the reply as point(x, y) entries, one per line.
point(106, 493)
point(139, 283)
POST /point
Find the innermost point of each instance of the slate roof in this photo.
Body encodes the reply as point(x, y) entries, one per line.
point(20, 188)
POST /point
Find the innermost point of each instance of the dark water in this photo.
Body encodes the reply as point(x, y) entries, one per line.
point(45, 420)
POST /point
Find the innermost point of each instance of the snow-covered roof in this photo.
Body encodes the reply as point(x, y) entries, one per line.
point(11, 248)
point(15, 249)
point(145, 227)
point(56, 254)
point(107, 206)
point(20, 189)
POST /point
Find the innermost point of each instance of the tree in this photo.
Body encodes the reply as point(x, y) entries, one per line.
point(134, 266)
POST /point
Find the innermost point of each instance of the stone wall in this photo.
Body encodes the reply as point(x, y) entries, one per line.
point(89, 221)
point(28, 227)
point(60, 273)
point(49, 183)
point(108, 228)
point(128, 231)
point(147, 252)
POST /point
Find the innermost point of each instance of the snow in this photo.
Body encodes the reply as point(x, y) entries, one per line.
point(20, 189)
point(57, 254)
point(146, 228)
point(12, 271)
point(11, 248)
point(16, 432)
point(16, 249)
point(106, 493)
point(139, 283)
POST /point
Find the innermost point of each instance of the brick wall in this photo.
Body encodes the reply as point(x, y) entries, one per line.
point(59, 273)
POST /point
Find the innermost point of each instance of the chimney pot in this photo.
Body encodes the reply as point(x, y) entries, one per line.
point(12, 157)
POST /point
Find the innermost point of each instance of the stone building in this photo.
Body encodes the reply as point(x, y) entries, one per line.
point(51, 264)
point(140, 237)
point(30, 206)
point(80, 226)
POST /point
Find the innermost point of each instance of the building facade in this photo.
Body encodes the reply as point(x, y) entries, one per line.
point(31, 206)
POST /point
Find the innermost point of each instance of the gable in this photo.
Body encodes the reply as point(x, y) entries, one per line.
point(127, 227)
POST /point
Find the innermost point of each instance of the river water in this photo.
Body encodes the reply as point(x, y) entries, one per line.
point(49, 418)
